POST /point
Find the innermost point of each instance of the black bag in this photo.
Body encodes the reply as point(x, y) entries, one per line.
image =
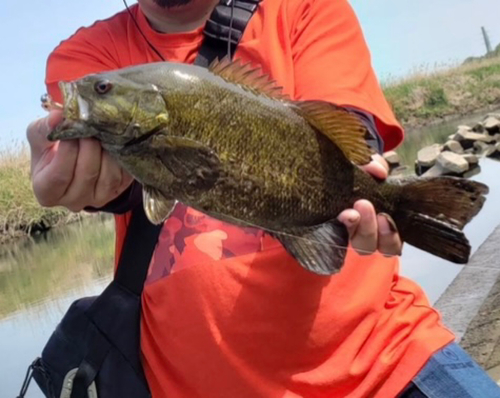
point(95, 350)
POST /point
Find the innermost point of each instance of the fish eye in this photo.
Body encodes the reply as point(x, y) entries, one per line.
point(102, 86)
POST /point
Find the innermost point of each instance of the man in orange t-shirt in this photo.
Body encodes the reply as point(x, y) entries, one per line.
point(226, 311)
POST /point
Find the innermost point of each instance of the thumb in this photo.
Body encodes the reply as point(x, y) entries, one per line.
point(38, 131)
point(378, 167)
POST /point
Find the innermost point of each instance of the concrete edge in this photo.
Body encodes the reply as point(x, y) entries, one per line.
point(463, 298)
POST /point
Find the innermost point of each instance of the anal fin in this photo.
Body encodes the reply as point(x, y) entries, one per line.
point(320, 249)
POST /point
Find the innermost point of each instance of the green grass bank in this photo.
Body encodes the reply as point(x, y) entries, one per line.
point(20, 213)
point(424, 98)
point(417, 100)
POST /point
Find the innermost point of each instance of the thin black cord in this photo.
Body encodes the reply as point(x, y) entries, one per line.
point(27, 381)
point(230, 30)
point(158, 53)
point(142, 33)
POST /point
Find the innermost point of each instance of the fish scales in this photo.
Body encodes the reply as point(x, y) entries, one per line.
point(282, 182)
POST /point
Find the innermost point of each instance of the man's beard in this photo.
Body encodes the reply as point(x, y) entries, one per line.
point(171, 3)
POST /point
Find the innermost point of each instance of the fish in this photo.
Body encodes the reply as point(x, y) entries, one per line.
point(227, 141)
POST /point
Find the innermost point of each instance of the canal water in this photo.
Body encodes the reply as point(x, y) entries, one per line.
point(38, 281)
point(432, 273)
point(39, 278)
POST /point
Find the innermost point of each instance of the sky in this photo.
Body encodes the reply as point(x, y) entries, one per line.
point(403, 36)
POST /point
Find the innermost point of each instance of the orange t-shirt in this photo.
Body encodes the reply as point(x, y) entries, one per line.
point(226, 311)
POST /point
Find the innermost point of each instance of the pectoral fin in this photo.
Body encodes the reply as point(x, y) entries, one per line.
point(156, 206)
point(320, 249)
point(194, 165)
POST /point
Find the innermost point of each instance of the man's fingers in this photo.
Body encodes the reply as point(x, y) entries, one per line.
point(378, 167)
point(36, 133)
point(364, 239)
point(88, 165)
point(54, 118)
point(73, 173)
point(113, 180)
point(53, 174)
point(369, 232)
point(350, 218)
point(389, 242)
point(361, 223)
point(38, 130)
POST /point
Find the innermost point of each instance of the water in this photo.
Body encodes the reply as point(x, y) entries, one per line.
point(432, 273)
point(39, 279)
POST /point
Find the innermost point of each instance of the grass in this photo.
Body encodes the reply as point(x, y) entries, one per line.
point(425, 96)
point(20, 213)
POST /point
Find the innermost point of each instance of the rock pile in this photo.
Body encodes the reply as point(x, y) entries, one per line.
point(396, 169)
point(459, 156)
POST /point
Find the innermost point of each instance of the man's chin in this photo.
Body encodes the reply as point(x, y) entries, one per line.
point(172, 3)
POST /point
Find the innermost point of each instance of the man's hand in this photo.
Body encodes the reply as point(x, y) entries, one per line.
point(369, 232)
point(74, 173)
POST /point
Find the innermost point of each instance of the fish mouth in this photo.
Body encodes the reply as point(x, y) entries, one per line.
point(75, 107)
point(75, 112)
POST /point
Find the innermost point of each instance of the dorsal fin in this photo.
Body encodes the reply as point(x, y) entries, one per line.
point(340, 126)
point(248, 77)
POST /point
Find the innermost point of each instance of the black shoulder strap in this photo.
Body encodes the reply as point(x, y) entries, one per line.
point(138, 247)
point(216, 30)
point(142, 235)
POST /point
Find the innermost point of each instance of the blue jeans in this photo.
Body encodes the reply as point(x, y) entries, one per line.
point(452, 373)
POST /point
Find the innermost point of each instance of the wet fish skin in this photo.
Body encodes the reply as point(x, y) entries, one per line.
point(226, 142)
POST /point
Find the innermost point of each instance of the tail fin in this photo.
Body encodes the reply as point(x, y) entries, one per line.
point(435, 237)
point(432, 212)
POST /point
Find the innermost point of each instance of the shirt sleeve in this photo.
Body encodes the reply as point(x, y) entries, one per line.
point(332, 63)
point(374, 140)
point(87, 51)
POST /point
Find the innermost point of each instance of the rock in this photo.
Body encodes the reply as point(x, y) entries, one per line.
point(460, 130)
point(480, 147)
point(463, 128)
point(392, 158)
point(472, 172)
point(419, 170)
point(492, 125)
point(453, 163)
point(398, 172)
point(453, 146)
point(435, 171)
point(471, 159)
point(467, 138)
point(478, 127)
point(427, 156)
point(497, 137)
point(493, 152)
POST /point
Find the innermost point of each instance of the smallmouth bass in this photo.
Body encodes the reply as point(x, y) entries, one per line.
point(227, 142)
